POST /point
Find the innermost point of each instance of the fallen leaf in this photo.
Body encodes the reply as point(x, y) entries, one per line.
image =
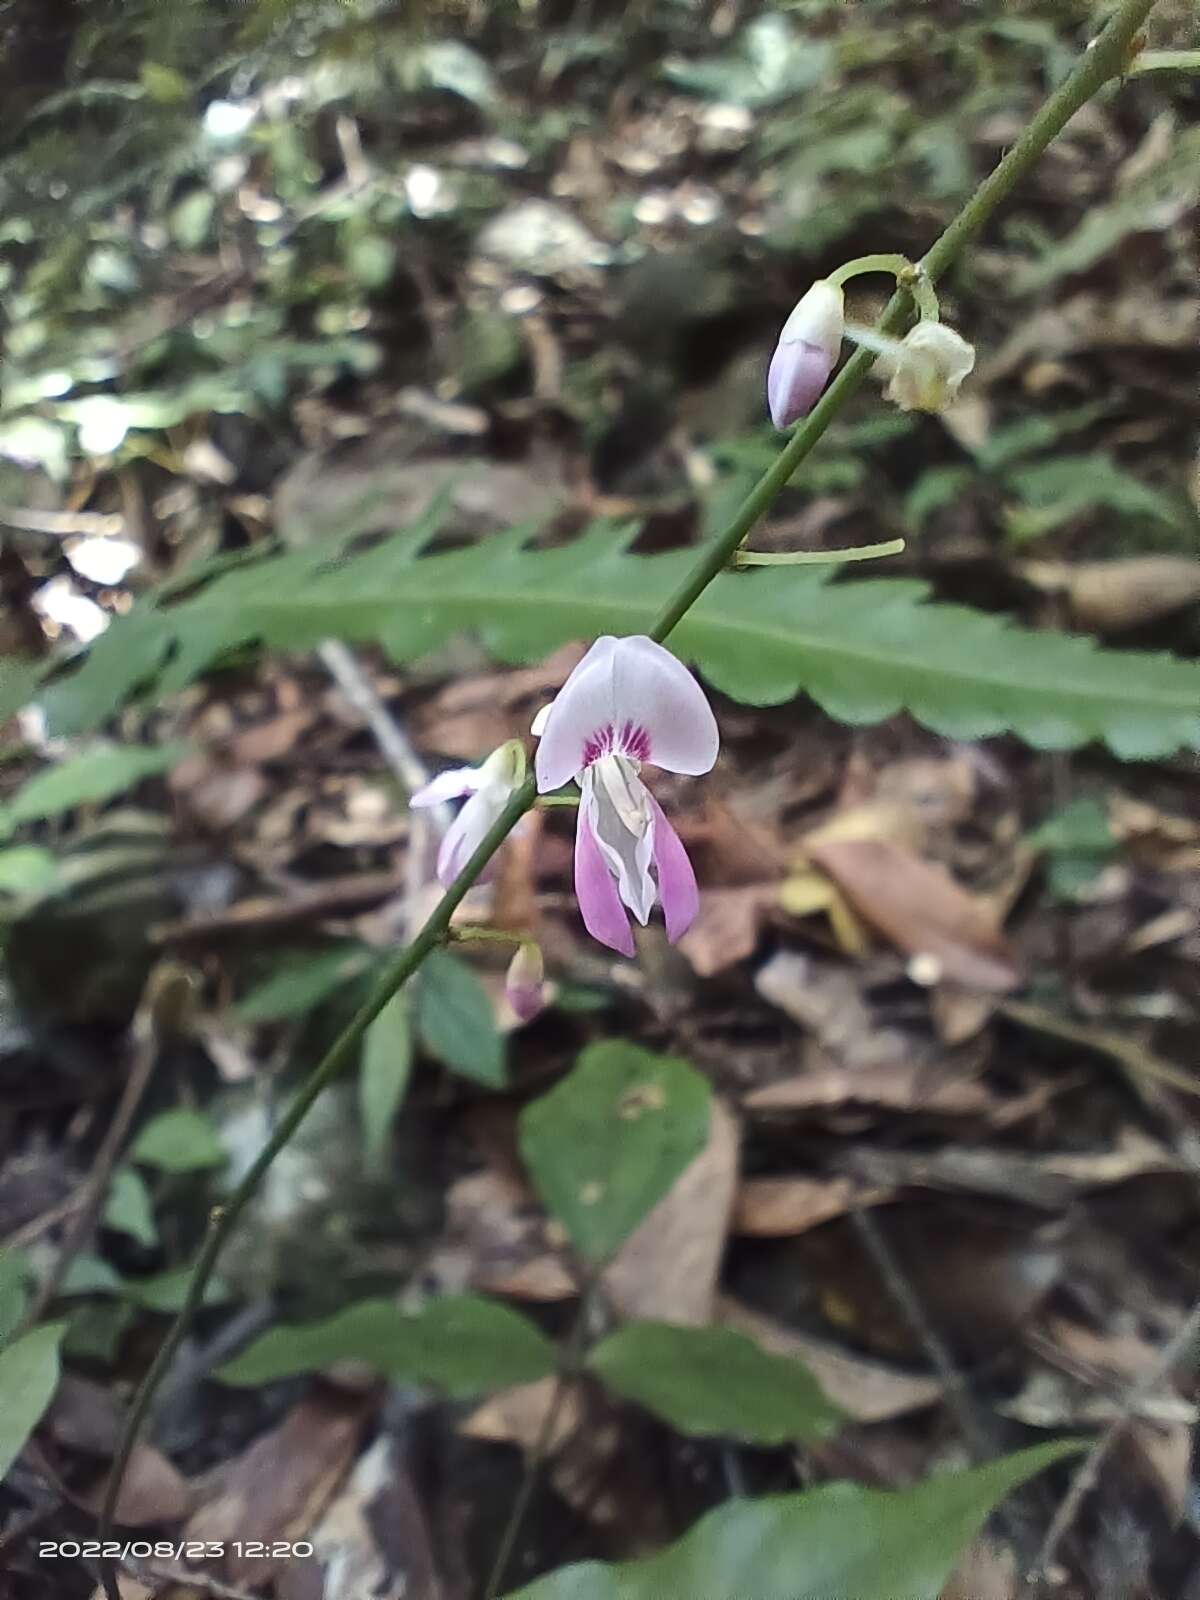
point(279, 1486)
point(1166, 1455)
point(919, 907)
point(373, 1539)
point(826, 1000)
point(667, 1268)
point(152, 1491)
point(520, 1415)
point(896, 1085)
point(867, 1391)
point(985, 1571)
point(727, 926)
point(1113, 596)
point(771, 1208)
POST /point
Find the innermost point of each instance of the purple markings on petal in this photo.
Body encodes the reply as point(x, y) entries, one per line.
point(600, 906)
point(798, 373)
point(677, 890)
point(632, 741)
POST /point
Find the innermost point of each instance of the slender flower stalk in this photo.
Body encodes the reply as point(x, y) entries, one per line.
point(1108, 57)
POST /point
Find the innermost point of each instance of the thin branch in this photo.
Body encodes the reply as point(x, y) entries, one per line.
point(1186, 1336)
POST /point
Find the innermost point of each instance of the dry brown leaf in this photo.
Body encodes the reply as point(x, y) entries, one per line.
point(867, 1391)
point(472, 715)
point(985, 1571)
point(496, 1241)
point(827, 1001)
point(727, 926)
point(773, 1208)
point(373, 1539)
point(152, 1491)
point(268, 741)
point(921, 909)
point(1166, 1455)
point(518, 1415)
point(667, 1268)
point(898, 1085)
point(279, 1486)
point(1112, 596)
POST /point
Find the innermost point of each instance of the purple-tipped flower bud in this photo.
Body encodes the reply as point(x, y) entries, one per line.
point(805, 355)
point(525, 982)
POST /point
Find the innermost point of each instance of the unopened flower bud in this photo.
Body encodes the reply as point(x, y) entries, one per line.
point(805, 355)
point(525, 982)
point(926, 368)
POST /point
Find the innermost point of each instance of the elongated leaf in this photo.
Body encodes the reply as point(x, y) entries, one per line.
point(462, 1345)
point(606, 1144)
point(129, 1209)
point(28, 1379)
point(94, 776)
point(863, 649)
point(838, 1542)
point(456, 1021)
point(714, 1381)
point(302, 980)
point(15, 1275)
point(383, 1076)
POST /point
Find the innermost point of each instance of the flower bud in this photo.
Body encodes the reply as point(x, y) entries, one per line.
point(525, 982)
point(806, 352)
point(926, 368)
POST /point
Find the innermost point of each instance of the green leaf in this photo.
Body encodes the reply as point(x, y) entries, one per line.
point(714, 1381)
point(838, 1542)
point(1054, 492)
point(128, 1208)
point(1152, 203)
point(605, 1145)
point(28, 1379)
point(95, 776)
point(383, 1077)
point(179, 1141)
point(15, 1273)
point(1078, 842)
point(301, 981)
point(456, 1021)
point(96, 1329)
point(26, 869)
point(18, 680)
point(863, 649)
point(771, 63)
point(461, 1345)
point(166, 1291)
point(90, 1274)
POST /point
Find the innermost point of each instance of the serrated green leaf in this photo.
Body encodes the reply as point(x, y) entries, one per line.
point(95, 776)
point(462, 1345)
point(28, 1379)
point(128, 1208)
point(605, 1145)
point(714, 1381)
point(301, 981)
point(384, 1075)
point(456, 1021)
point(863, 649)
point(840, 1540)
point(179, 1141)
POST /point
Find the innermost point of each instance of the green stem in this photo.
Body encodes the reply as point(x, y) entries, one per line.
point(1109, 56)
point(224, 1218)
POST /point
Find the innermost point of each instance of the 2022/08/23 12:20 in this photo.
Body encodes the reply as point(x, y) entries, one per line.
point(175, 1549)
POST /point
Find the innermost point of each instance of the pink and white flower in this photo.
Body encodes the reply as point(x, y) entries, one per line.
point(806, 353)
point(488, 789)
point(628, 701)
